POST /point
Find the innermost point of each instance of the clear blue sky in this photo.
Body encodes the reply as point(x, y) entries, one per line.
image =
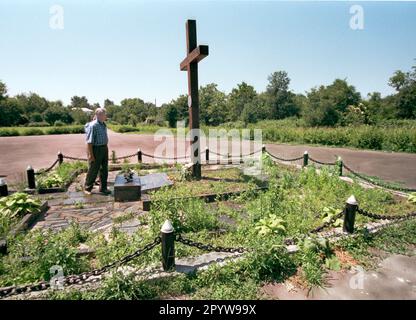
point(118, 49)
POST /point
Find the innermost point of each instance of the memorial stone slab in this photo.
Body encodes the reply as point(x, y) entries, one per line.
point(127, 190)
point(154, 181)
point(131, 190)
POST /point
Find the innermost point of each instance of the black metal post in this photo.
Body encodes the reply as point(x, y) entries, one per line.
point(139, 155)
point(168, 246)
point(263, 149)
point(31, 177)
point(60, 157)
point(305, 158)
point(351, 208)
point(207, 155)
point(3, 188)
point(3, 246)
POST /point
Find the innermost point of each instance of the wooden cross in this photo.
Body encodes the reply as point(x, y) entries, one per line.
point(190, 63)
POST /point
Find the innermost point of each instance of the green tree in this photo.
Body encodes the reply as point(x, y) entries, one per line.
point(212, 102)
point(80, 102)
point(3, 90)
point(57, 112)
point(238, 98)
point(327, 105)
point(281, 100)
point(405, 99)
point(172, 115)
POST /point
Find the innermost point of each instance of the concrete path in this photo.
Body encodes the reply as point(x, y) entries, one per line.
point(16, 153)
point(395, 278)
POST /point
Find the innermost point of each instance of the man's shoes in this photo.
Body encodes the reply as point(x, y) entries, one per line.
point(87, 192)
point(105, 192)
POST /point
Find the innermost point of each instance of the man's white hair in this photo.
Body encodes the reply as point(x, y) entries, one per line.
point(99, 111)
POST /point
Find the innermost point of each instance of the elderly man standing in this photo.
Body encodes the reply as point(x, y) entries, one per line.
point(97, 140)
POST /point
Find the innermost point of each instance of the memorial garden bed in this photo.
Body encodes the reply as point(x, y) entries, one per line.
point(295, 202)
point(18, 212)
point(60, 178)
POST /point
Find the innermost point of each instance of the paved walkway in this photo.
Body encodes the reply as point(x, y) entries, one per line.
point(395, 278)
point(95, 212)
point(40, 151)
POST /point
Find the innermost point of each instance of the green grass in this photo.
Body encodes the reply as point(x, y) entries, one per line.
point(139, 129)
point(31, 131)
point(299, 197)
point(61, 175)
point(395, 136)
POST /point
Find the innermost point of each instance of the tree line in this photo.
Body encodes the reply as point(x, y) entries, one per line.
point(337, 104)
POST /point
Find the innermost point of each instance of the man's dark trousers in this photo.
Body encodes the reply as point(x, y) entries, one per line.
point(100, 164)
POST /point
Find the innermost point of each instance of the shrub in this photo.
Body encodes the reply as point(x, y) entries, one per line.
point(33, 132)
point(13, 207)
point(65, 130)
point(59, 123)
point(38, 124)
point(45, 249)
point(124, 129)
point(4, 132)
point(50, 181)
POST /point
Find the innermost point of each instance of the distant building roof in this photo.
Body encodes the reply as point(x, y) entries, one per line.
point(86, 110)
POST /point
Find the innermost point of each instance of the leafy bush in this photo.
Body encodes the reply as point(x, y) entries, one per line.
point(61, 175)
point(271, 225)
point(5, 132)
point(123, 129)
point(31, 256)
point(65, 130)
point(50, 181)
point(33, 132)
point(58, 123)
point(13, 207)
point(38, 124)
point(17, 205)
point(386, 136)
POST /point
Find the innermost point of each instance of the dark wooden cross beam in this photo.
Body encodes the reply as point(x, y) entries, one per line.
point(190, 63)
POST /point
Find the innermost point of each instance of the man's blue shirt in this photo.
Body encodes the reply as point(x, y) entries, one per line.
point(96, 133)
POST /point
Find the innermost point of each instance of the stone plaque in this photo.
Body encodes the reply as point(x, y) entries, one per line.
point(125, 190)
point(131, 190)
point(154, 181)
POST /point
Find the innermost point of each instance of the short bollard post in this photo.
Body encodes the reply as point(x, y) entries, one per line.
point(3, 188)
point(207, 155)
point(139, 155)
point(305, 158)
point(263, 149)
point(340, 165)
point(168, 246)
point(31, 177)
point(60, 157)
point(351, 208)
point(3, 246)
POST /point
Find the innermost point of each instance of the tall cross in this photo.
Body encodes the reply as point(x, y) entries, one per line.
point(190, 63)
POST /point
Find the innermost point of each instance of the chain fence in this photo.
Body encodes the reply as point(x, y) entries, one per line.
point(125, 157)
point(283, 159)
point(48, 169)
point(292, 241)
point(165, 158)
point(379, 184)
point(322, 162)
point(74, 158)
point(79, 278)
point(208, 247)
point(233, 156)
point(385, 217)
